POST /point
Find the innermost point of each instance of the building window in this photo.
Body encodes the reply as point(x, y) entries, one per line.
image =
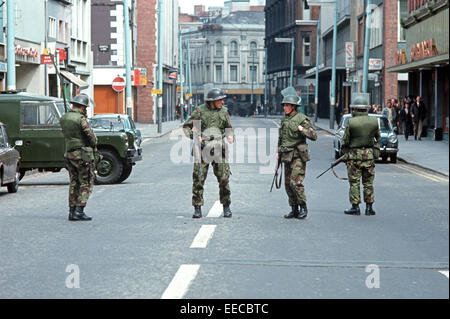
point(306, 49)
point(253, 74)
point(208, 74)
point(233, 73)
point(233, 48)
point(52, 27)
point(219, 75)
point(219, 49)
point(376, 29)
point(253, 47)
point(402, 13)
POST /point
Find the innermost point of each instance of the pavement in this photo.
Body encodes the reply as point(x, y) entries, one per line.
point(151, 130)
point(427, 153)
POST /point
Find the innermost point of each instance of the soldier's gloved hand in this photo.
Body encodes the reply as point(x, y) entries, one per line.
point(230, 139)
point(277, 155)
point(300, 128)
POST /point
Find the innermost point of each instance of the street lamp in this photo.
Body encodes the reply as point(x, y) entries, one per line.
point(254, 73)
point(320, 3)
point(292, 42)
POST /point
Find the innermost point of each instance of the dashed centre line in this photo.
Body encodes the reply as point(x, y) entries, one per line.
point(444, 272)
point(203, 236)
point(216, 210)
point(181, 282)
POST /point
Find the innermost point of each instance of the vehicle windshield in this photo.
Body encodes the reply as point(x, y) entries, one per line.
point(384, 124)
point(61, 109)
point(115, 123)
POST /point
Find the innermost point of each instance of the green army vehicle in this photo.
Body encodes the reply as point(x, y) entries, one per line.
point(33, 120)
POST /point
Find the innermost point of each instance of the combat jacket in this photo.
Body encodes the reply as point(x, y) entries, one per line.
point(214, 124)
point(77, 131)
point(361, 136)
point(292, 142)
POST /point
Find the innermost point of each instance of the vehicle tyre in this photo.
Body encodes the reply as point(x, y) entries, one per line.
point(126, 172)
point(14, 186)
point(110, 168)
point(393, 158)
point(384, 158)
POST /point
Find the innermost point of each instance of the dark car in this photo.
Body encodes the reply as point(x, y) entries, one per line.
point(388, 142)
point(33, 120)
point(9, 162)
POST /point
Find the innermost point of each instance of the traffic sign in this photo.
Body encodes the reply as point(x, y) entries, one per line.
point(173, 75)
point(118, 84)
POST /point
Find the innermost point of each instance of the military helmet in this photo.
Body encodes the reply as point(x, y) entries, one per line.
point(291, 99)
point(81, 100)
point(215, 95)
point(360, 101)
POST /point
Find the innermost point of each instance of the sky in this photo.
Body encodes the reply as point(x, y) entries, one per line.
point(187, 6)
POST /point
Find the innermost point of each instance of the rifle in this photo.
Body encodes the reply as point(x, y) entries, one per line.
point(274, 180)
point(335, 163)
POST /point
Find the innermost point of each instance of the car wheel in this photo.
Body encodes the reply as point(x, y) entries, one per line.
point(126, 172)
point(14, 186)
point(393, 158)
point(109, 169)
point(384, 158)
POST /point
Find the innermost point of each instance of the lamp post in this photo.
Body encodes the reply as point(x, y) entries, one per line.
point(254, 72)
point(292, 42)
point(320, 3)
point(366, 47)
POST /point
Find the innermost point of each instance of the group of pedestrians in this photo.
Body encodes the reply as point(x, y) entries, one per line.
point(406, 115)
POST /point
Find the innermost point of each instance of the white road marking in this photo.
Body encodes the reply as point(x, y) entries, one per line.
point(216, 210)
point(181, 282)
point(203, 236)
point(444, 272)
point(276, 123)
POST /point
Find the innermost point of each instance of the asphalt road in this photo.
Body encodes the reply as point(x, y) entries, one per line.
point(143, 243)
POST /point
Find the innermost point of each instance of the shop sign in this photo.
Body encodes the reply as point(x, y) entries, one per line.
point(424, 49)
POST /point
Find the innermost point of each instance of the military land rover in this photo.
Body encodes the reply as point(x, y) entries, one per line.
point(33, 120)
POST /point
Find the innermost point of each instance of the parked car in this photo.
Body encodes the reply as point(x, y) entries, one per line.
point(388, 142)
point(33, 120)
point(9, 162)
point(117, 122)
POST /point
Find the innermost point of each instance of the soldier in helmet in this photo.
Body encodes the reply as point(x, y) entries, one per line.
point(208, 125)
point(293, 151)
point(81, 143)
point(360, 144)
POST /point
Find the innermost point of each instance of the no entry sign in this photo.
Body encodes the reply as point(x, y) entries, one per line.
point(118, 84)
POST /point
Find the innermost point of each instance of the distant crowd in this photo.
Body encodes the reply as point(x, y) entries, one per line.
point(406, 115)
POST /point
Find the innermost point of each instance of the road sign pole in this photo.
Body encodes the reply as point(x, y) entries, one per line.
point(118, 102)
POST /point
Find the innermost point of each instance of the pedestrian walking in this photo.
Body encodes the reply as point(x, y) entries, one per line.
point(419, 113)
point(208, 125)
point(81, 147)
point(293, 153)
point(406, 120)
point(360, 143)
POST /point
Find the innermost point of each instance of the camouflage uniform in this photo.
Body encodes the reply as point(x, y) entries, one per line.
point(293, 151)
point(360, 137)
point(214, 125)
point(80, 145)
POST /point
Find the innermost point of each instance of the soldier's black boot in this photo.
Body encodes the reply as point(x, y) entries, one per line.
point(369, 210)
point(197, 212)
point(294, 212)
point(354, 210)
point(80, 215)
point(226, 211)
point(303, 211)
point(72, 213)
